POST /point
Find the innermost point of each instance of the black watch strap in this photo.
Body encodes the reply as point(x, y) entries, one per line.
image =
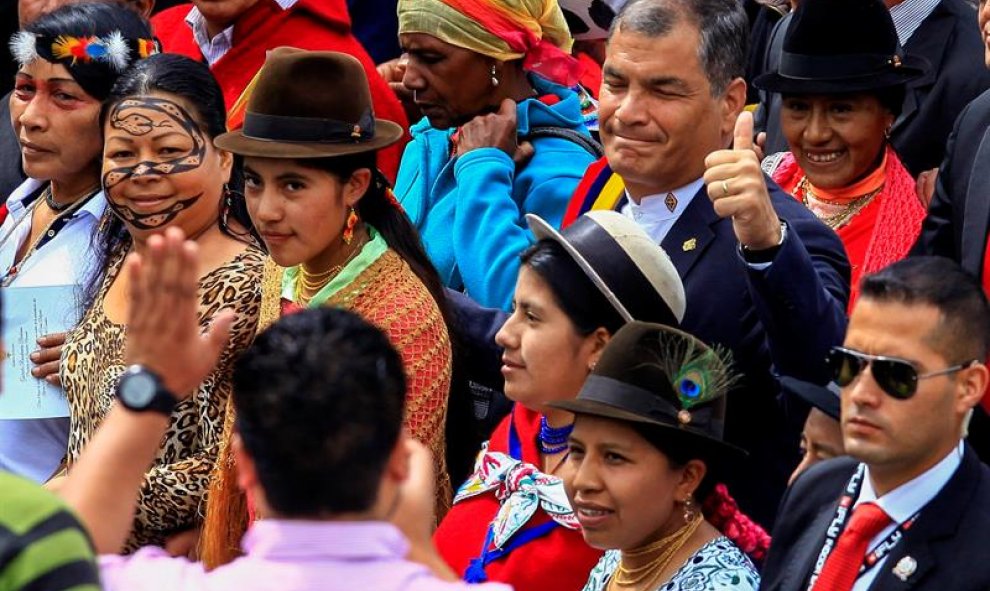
point(141, 390)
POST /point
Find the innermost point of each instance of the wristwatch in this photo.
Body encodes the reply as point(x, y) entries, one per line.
point(765, 255)
point(141, 390)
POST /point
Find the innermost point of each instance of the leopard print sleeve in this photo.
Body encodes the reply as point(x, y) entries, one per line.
point(175, 488)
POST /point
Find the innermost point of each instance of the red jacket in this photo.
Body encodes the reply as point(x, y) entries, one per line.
point(309, 24)
point(557, 561)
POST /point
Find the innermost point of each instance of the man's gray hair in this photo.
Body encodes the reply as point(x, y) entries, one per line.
point(722, 25)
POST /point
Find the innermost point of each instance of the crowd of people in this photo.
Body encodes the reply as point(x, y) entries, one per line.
point(544, 295)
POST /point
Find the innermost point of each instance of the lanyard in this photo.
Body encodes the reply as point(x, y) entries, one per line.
point(838, 525)
point(475, 572)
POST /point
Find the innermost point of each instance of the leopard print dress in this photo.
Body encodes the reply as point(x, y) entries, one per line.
point(92, 362)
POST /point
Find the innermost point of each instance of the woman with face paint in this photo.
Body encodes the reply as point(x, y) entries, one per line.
point(161, 170)
point(329, 219)
point(68, 62)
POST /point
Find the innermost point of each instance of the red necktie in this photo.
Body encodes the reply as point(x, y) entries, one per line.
point(842, 565)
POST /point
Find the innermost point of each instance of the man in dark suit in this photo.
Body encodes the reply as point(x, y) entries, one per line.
point(912, 504)
point(763, 277)
point(958, 220)
point(948, 39)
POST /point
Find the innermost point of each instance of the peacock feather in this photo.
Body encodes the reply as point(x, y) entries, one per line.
point(698, 373)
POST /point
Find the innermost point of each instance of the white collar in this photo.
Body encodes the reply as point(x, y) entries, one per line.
point(907, 499)
point(655, 207)
point(95, 207)
point(197, 22)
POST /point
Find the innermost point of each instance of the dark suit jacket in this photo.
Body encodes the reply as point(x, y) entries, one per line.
point(949, 40)
point(786, 316)
point(959, 215)
point(11, 174)
point(948, 541)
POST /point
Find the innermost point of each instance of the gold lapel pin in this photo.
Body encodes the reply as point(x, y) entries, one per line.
point(689, 244)
point(905, 567)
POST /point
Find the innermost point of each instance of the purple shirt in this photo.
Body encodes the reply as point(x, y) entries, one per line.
point(291, 555)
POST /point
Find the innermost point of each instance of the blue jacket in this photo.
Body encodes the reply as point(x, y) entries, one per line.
point(470, 211)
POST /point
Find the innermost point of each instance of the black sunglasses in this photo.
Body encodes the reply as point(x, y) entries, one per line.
point(897, 377)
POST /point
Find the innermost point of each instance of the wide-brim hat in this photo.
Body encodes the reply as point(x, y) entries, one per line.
point(310, 104)
point(665, 378)
point(824, 398)
point(841, 47)
point(631, 270)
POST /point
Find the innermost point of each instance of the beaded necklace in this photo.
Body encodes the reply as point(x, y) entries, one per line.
point(553, 440)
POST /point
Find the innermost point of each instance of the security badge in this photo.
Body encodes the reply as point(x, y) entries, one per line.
point(905, 567)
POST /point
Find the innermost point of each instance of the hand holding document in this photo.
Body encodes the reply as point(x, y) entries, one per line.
point(29, 313)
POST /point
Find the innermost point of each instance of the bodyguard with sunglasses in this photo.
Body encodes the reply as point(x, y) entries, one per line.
point(910, 509)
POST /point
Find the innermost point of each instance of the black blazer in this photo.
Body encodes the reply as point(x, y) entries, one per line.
point(949, 540)
point(779, 320)
point(949, 40)
point(959, 215)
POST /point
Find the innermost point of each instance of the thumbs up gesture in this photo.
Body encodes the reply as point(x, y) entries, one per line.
point(738, 190)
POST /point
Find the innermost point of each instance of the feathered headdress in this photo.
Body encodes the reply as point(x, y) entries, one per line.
point(113, 50)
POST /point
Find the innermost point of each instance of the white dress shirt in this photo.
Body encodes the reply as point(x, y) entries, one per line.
point(652, 213)
point(215, 48)
point(903, 502)
point(907, 17)
point(33, 448)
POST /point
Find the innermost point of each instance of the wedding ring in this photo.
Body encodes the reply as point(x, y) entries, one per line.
point(725, 188)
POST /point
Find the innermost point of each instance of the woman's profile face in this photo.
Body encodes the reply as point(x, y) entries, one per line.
point(160, 168)
point(544, 358)
point(836, 139)
point(451, 84)
point(57, 123)
point(624, 490)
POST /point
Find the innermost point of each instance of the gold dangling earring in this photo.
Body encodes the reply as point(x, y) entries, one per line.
point(352, 220)
point(494, 77)
point(689, 511)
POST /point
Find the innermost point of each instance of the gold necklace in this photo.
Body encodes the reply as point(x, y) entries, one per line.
point(665, 548)
point(309, 284)
point(837, 220)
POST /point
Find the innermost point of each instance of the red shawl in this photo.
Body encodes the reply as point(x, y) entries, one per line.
point(558, 561)
point(884, 231)
point(310, 24)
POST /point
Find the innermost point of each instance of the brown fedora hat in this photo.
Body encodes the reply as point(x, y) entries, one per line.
point(309, 104)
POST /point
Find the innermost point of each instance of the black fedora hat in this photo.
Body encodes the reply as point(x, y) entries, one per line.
point(309, 104)
point(824, 398)
point(840, 46)
point(660, 376)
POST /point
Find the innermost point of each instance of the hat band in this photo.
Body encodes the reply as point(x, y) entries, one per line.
point(834, 67)
point(647, 404)
point(282, 128)
point(619, 272)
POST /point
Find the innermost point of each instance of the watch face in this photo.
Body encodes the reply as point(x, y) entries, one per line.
point(138, 390)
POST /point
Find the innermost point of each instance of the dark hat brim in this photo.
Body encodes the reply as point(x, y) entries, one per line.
point(386, 134)
point(719, 454)
point(817, 396)
point(775, 82)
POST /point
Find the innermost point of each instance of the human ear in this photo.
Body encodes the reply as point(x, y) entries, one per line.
point(691, 476)
point(733, 102)
point(972, 385)
point(356, 186)
point(598, 340)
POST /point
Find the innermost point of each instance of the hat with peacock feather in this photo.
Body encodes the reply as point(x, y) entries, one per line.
point(658, 375)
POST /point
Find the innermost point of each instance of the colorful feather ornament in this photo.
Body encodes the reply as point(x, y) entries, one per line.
point(698, 373)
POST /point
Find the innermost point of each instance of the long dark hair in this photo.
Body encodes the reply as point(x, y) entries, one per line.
point(191, 81)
